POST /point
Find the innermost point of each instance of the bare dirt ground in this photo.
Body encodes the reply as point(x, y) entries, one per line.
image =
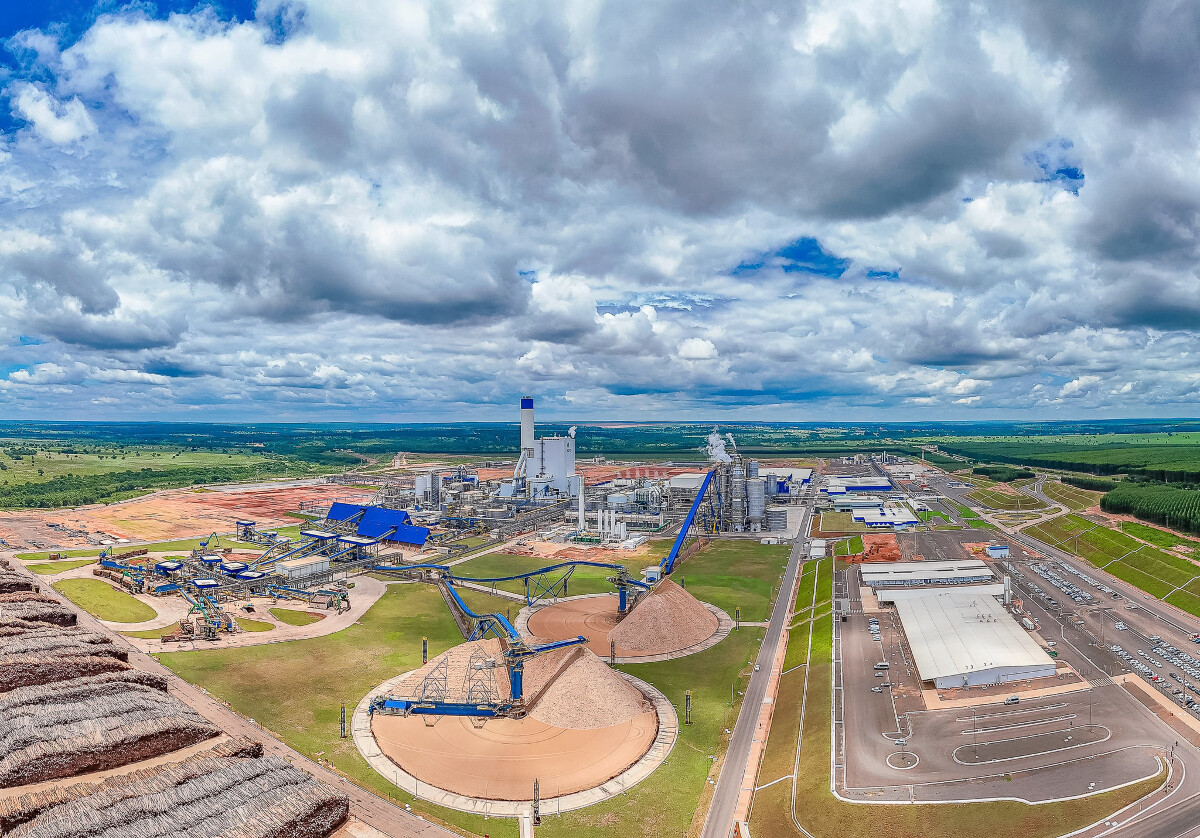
point(164, 516)
point(501, 760)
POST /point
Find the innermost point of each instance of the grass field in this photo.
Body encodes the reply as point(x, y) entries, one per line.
point(51, 568)
point(252, 625)
point(1007, 501)
point(929, 515)
point(152, 634)
point(1071, 497)
point(295, 618)
point(823, 816)
point(841, 522)
point(971, 518)
point(103, 601)
point(46, 465)
point(184, 545)
point(1154, 571)
point(585, 580)
point(296, 689)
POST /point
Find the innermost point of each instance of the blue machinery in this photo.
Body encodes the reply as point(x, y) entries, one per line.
point(668, 562)
point(480, 703)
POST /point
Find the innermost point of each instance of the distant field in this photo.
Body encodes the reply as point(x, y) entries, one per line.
point(1157, 537)
point(183, 545)
point(1154, 571)
point(1005, 500)
point(1162, 456)
point(1069, 496)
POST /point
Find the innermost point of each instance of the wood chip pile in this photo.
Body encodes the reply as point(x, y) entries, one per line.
point(39, 611)
point(587, 695)
point(92, 724)
point(568, 688)
point(668, 618)
point(212, 794)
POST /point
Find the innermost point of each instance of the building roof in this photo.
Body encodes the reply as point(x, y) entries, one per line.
point(957, 632)
point(914, 572)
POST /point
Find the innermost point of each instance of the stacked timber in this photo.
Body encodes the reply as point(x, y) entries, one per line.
point(92, 724)
point(45, 655)
point(23, 808)
point(207, 796)
point(12, 582)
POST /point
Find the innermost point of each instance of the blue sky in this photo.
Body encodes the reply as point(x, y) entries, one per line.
point(311, 210)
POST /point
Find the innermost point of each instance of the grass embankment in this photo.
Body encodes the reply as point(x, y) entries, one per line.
point(849, 547)
point(824, 816)
point(295, 618)
point(295, 689)
point(51, 568)
point(1157, 537)
point(185, 545)
point(1071, 497)
point(1164, 575)
point(971, 518)
point(928, 515)
point(1006, 501)
point(104, 602)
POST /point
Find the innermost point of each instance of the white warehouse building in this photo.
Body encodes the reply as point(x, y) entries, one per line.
point(964, 638)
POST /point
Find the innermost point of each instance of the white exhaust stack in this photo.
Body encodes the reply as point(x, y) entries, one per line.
point(582, 522)
point(527, 425)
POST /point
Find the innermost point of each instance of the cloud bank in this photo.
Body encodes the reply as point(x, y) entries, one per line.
point(389, 210)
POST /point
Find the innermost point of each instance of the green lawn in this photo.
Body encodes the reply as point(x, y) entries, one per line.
point(46, 465)
point(152, 634)
point(51, 568)
point(585, 580)
point(732, 574)
point(103, 601)
point(294, 618)
point(841, 522)
point(254, 625)
point(928, 515)
point(823, 816)
point(295, 689)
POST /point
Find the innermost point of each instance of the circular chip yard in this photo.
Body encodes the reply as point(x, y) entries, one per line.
point(586, 727)
point(666, 623)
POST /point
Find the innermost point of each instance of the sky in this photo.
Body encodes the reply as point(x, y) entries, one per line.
point(389, 211)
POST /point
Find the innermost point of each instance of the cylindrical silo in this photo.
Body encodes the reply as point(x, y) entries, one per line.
point(752, 468)
point(527, 424)
point(756, 499)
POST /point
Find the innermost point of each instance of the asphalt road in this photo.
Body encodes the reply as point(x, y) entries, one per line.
point(719, 821)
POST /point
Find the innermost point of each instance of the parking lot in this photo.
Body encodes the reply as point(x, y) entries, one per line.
point(890, 747)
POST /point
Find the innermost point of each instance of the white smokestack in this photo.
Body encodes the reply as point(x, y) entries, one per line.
point(527, 425)
point(582, 522)
point(716, 448)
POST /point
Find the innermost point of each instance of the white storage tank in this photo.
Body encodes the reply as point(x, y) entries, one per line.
point(777, 518)
point(756, 498)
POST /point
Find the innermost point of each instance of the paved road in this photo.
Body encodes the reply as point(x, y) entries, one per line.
point(388, 818)
point(719, 821)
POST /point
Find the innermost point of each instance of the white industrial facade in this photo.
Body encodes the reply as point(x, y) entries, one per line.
point(965, 639)
point(921, 574)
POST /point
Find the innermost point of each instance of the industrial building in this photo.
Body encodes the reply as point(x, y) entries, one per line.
point(546, 466)
point(835, 486)
point(924, 574)
point(965, 638)
point(878, 517)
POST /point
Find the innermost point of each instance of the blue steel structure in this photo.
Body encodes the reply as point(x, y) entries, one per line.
point(516, 652)
point(668, 562)
point(537, 589)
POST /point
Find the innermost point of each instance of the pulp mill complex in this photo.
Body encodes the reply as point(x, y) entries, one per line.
point(537, 709)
